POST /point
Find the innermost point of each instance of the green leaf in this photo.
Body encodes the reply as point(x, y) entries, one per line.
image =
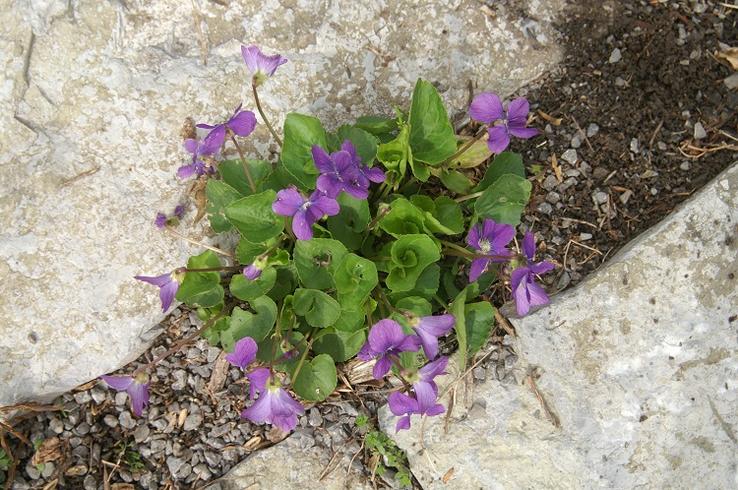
point(219, 196)
point(351, 319)
point(318, 308)
point(317, 379)
point(201, 288)
point(421, 171)
point(455, 181)
point(316, 261)
point(475, 155)
point(448, 213)
point(416, 304)
point(247, 324)
point(246, 289)
point(364, 142)
point(396, 154)
point(341, 346)
point(432, 137)
point(506, 162)
point(234, 175)
point(285, 284)
point(479, 318)
point(253, 217)
point(246, 252)
point(505, 200)
point(381, 127)
point(457, 310)
point(442, 216)
point(403, 218)
point(351, 221)
point(301, 132)
point(410, 255)
point(355, 277)
point(426, 286)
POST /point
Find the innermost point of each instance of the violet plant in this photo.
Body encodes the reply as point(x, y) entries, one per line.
point(372, 241)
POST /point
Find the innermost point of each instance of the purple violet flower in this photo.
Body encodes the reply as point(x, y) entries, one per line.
point(160, 221)
point(386, 341)
point(403, 406)
point(137, 389)
point(244, 353)
point(274, 405)
point(374, 174)
point(490, 238)
point(487, 108)
point(425, 395)
point(252, 272)
point(304, 212)
point(526, 292)
point(429, 329)
point(260, 65)
point(168, 285)
point(241, 123)
point(206, 147)
point(338, 172)
point(179, 211)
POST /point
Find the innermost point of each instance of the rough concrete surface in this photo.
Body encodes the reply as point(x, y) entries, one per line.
point(91, 104)
point(637, 367)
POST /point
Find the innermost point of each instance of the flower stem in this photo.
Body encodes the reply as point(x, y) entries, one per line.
point(263, 116)
point(195, 242)
point(213, 269)
point(302, 360)
point(470, 196)
point(465, 147)
point(458, 251)
point(246, 169)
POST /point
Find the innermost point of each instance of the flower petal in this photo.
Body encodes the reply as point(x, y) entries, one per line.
point(385, 335)
point(190, 145)
point(160, 281)
point(536, 294)
point(403, 423)
point(288, 201)
point(520, 294)
point(529, 245)
point(428, 341)
point(250, 55)
point(382, 367)
point(472, 239)
point(498, 139)
point(118, 383)
point(486, 107)
point(243, 123)
point(437, 325)
point(523, 133)
point(213, 141)
point(139, 394)
point(322, 160)
point(401, 404)
point(244, 353)
point(349, 147)
point(186, 171)
point(433, 369)
point(366, 353)
point(374, 174)
point(542, 267)
point(478, 267)
point(251, 272)
point(517, 113)
point(302, 226)
point(260, 411)
point(167, 294)
point(326, 205)
point(257, 380)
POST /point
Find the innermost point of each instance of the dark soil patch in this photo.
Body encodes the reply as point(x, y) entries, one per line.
point(643, 159)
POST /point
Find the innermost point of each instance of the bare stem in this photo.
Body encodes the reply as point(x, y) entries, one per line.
point(263, 116)
point(213, 269)
point(246, 169)
point(465, 147)
point(195, 242)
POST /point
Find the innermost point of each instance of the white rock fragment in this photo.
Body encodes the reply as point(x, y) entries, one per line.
point(699, 131)
point(615, 56)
